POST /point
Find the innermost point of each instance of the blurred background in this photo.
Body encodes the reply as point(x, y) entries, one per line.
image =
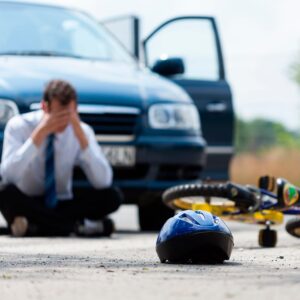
point(261, 44)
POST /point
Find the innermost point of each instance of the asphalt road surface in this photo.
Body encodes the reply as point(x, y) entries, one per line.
point(126, 267)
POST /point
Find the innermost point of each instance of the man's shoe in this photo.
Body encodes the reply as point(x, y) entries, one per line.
point(97, 228)
point(19, 227)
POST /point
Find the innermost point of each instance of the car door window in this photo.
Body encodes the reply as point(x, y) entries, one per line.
point(194, 41)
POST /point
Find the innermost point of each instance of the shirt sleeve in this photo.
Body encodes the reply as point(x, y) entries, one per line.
point(17, 153)
point(94, 163)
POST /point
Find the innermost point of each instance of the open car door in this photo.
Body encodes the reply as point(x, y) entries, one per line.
point(187, 50)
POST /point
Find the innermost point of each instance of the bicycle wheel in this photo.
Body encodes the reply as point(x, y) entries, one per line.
point(194, 196)
point(293, 227)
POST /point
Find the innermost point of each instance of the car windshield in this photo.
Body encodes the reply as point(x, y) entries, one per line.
point(27, 29)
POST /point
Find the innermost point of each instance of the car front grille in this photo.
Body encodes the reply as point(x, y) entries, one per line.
point(111, 123)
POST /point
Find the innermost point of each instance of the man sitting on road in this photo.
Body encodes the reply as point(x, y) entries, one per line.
point(40, 151)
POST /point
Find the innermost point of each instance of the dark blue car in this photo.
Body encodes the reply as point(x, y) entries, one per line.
point(148, 126)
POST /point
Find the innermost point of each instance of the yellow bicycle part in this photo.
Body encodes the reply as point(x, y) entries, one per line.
point(259, 217)
point(227, 210)
point(215, 209)
point(275, 217)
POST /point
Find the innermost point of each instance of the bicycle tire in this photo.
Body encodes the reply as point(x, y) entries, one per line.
point(243, 198)
point(293, 227)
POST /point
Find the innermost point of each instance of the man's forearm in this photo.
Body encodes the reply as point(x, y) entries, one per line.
point(96, 167)
point(38, 136)
point(79, 133)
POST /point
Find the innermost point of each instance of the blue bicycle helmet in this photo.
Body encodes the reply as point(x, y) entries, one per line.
point(194, 236)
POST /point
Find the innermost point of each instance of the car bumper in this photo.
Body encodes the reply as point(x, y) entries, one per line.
point(161, 162)
point(218, 162)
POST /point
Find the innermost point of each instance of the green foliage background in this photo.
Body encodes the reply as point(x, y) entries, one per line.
point(295, 71)
point(260, 134)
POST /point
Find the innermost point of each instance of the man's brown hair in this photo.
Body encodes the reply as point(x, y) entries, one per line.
point(60, 90)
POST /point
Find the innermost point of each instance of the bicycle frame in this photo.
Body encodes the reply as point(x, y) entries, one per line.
point(269, 209)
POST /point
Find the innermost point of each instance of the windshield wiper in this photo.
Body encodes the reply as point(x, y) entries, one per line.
point(41, 53)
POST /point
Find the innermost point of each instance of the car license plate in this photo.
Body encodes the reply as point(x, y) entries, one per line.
point(120, 156)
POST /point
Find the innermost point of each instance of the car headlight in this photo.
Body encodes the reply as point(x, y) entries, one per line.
point(8, 109)
point(174, 116)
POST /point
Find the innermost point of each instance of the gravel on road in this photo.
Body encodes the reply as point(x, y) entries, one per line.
point(126, 267)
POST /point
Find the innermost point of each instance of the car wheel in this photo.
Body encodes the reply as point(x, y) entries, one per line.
point(153, 213)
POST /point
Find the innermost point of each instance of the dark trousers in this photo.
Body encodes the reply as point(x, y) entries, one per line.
point(61, 220)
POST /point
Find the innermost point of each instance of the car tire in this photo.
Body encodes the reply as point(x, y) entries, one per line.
point(153, 213)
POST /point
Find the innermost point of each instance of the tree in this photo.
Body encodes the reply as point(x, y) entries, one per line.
point(261, 134)
point(296, 72)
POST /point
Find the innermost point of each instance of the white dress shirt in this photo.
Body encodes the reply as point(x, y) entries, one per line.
point(23, 163)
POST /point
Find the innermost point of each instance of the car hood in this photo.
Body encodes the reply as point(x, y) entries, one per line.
point(23, 80)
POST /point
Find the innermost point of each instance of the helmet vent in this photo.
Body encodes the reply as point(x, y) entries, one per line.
point(189, 219)
point(200, 213)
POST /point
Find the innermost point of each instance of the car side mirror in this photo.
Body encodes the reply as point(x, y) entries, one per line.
point(168, 67)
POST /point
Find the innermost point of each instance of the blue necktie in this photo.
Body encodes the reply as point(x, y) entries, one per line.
point(50, 190)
